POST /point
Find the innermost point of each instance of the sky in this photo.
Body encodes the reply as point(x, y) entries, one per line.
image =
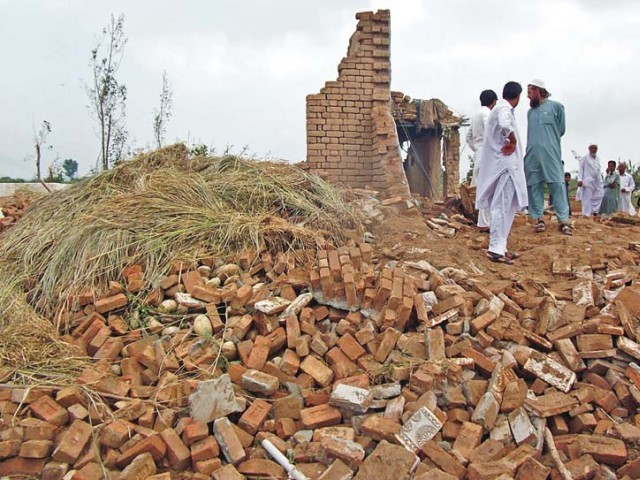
point(240, 70)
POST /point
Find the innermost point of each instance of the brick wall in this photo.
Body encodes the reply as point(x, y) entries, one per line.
point(351, 135)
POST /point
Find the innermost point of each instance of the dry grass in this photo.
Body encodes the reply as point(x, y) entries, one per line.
point(153, 210)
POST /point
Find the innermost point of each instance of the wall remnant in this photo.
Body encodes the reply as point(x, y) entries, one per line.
point(351, 135)
point(432, 132)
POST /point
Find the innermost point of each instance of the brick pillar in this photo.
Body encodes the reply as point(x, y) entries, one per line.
point(351, 135)
point(451, 162)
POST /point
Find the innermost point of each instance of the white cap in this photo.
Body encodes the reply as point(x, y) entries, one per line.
point(536, 82)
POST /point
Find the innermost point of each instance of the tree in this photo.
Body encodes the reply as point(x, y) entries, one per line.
point(70, 168)
point(161, 116)
point(107, 96)
point(54, 172)
point(39, 141)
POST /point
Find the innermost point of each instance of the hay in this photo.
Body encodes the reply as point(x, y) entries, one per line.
point(30, 350)
point(161, 207)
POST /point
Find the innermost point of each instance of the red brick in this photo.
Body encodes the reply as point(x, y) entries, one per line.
point(47, 409)
point(22, 466)
point(254, 416)
point(111, 303)
point(177, 452)
point(153, 445)
point(204, 449)
point(72, 442)
point(320, 416)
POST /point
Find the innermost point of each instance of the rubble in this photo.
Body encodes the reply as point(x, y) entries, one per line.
point(349, 363)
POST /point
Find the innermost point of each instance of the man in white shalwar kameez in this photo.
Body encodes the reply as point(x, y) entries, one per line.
point(590, 186)
point(501, 183)
point(627, 186)
point(475, 138)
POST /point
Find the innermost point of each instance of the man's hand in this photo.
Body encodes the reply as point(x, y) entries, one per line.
point(508, 148)
point(579, 183)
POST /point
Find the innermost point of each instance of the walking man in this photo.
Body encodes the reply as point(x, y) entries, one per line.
point(543, 158)
point(475, 136)
point(590, 187)
point(502, 187)
point(627, 186)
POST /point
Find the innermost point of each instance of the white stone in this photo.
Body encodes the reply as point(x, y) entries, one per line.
point(188, 301)
point(486, 411)
point(351, 398)
point(272, 305)
point(552, 372)
point(501, 432)
point(582, 294)
point(522, 428)
point(496, 305)
point(259, 382)
point(419, 429)
point(386, 390)
point(213, 399)
point(297, 305)
point(168, 306)
point(629, 347)
point(202, 326)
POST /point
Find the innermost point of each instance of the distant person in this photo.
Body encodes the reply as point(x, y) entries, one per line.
point(609, 203)
point(543, 159)
point(567, 182)
point(627, 186)
point(590, 188)
point(501, 183)
point(475, 136)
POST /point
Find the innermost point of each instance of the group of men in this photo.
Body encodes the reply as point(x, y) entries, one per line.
point(591, 187)
point(507, 180)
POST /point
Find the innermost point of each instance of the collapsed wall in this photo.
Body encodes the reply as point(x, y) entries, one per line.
point(351, 134)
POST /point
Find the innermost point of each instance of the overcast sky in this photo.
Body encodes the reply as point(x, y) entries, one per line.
point(240, 70)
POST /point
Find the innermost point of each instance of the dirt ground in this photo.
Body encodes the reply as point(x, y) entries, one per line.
point(406, 237)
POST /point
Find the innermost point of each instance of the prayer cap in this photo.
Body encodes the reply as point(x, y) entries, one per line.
point(536, 82)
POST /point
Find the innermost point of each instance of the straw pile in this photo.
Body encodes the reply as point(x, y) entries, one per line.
point(153, 210)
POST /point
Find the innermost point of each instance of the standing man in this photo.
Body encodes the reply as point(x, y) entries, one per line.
point(475, 136)
point(590, 187)
point(502, 187)
point(627, 186)
point(567, 182)
point(543, 159)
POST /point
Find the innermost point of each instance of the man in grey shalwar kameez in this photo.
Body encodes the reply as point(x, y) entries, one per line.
point(543, 158)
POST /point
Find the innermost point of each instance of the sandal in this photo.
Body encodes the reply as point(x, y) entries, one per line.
point(496, 258)
point(540, 226)
point(565, 229)
point(511, 255)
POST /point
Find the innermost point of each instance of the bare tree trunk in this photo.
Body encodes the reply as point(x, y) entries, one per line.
point(38, 171)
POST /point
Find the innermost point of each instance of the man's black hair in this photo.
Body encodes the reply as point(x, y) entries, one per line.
point(487, 97)
point(511, 90)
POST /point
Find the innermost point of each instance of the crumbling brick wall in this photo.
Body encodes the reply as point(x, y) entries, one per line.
point(351, 135)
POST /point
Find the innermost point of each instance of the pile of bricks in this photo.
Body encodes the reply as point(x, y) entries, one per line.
point(351, 368)
point(12, 209)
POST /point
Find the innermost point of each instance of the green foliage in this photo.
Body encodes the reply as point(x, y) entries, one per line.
point(70, 168)
point(12, 180)
point(201, 150)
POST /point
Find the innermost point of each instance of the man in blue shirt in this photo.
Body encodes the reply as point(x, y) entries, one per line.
point(543, 158)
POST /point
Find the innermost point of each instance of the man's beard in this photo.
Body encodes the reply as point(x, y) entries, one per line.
point(534, 102)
